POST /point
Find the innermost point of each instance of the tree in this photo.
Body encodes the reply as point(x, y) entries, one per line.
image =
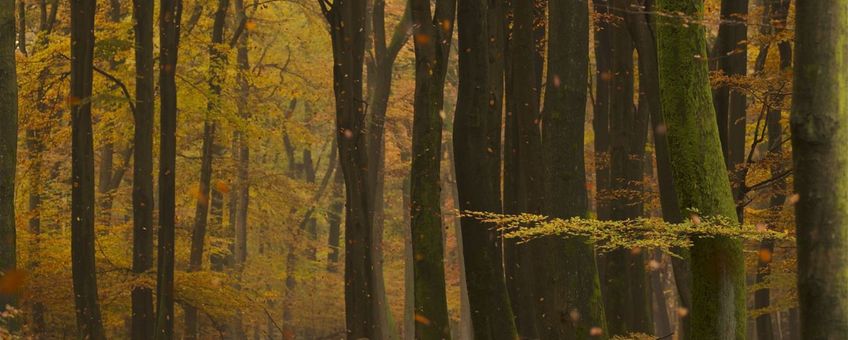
point(8, 143)
point(570, 285)
point(731, 58)
point(477, 150)
point(170, 14)
point(346, 19)
point(523, 182)
point(82, 171)
point(432, 36)
point(217, 58)
point(142, 297)
point(818, 139)
point(698, 169)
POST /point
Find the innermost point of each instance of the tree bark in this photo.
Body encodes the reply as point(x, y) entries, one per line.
point(8, 145)
point(699, 172)
point(170, 14)
point(82, 171)
point(730, 55)
point(347, 22)
point(821, 182)
point(432, 37)
point(477, 147)
point(142, 297)
point(570, 295)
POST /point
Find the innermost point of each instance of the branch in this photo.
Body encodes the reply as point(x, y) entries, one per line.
point(115, 80)
point(769, 181)
point(239, 30)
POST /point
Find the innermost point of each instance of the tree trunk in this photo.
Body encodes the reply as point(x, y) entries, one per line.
point(821, 182)
point(216, 74)
point(572, 304)
point(347, 23)
point(731, 58)
point(432, 34)
point(476, 143)
point(773, 11)
point(334, 219)
point(699, 172)
point(142, 297)
point(604, 52)
point(523, 186)
point(8, 144)
point(170, 13)
point(82, 171)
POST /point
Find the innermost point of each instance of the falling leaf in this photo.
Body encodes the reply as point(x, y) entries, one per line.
point(222, 186)
point(596, 331)
point(764, 255)
point(422, 319)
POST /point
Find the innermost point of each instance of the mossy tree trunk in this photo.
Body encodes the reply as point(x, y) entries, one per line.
point(698, 168)
point(572, 303)
point(819, 136)
point(477, 150)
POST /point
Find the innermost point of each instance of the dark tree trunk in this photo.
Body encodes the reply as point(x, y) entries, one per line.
point(82, 171)
point(477, 148)
point(570, 285)
point(523, 182)
point(347, 23)
point(8, 144)
point(604, 52)
point(639, 26)
point(170, 13)
point(216, 76)
point(773, 22)
point(730, 55)
point(142, 297)
point(699, 172)
point(819, 136)
point(432, 37)
point(626, 296)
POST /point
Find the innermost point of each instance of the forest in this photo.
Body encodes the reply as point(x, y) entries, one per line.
point(424, 169)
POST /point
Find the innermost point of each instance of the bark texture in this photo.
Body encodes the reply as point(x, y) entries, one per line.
point(8, 142)
point(698, 168)
point(819, 136)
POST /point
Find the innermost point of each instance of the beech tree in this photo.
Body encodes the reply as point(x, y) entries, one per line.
point(170, 15)
point(142, 297)
point(698, 168)
point(82, 171)
point(818, 140)
point(477, 152)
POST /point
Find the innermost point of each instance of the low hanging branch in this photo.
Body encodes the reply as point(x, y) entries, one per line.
point(649, 233)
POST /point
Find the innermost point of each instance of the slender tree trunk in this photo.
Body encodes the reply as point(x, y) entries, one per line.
point(731, 58)
point(170, 13)
point(432, 36)
point(142, 297)
point(82, 171)
point(570, 289)
point(477, 148)
point(242, 188)
point(8, 145)
point(773, 11)
point(216, 74)
point(821, 182)
point(699, 172)
point(347, 23)
point(604, 52)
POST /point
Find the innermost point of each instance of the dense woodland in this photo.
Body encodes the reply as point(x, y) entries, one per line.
point(423, 169)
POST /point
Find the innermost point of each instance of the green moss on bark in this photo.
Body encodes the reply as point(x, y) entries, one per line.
point(698, 168)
